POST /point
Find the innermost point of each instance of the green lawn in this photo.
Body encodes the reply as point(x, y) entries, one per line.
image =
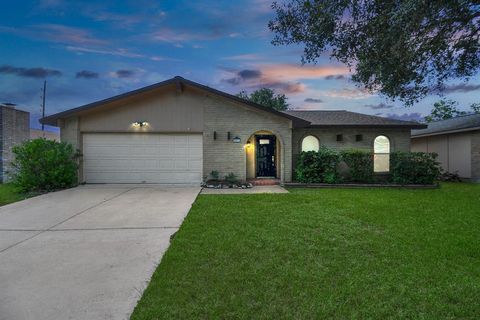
point(8, 194)
point(323, 253)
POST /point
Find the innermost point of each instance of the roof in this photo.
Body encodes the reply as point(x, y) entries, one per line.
point(179, 81)
point(329, 118)
point(462, 123)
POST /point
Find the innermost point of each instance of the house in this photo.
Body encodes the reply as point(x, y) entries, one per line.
point(178, 131)
point(49, 135)
point(457, 143)
point(14, 129)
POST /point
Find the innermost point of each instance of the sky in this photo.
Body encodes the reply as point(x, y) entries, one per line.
point(91, 50)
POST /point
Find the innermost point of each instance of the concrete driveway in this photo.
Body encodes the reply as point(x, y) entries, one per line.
point(86, 252)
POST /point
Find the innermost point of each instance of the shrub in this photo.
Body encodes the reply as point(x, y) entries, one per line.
point(44, 165)
point(318, 167)
point(214, 174)
point(231, 178)
point(360, 164)
point(414, 167)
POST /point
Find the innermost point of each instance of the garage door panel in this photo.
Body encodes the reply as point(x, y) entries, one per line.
point(138, 158)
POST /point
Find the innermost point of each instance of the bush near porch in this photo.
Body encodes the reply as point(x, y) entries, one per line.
point(356, 166)
point(43, 165)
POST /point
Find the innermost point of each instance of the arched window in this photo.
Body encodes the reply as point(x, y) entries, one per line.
point(310, 143)
point(381, 159)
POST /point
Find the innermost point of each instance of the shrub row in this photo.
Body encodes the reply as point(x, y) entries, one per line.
point(356, 166)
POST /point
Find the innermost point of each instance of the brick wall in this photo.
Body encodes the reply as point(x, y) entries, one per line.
point(14, 129)
point(223, 116)
point(399, 138)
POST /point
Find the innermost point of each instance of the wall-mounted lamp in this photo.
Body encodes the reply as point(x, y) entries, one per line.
point(248, 145)
point(236, 140)
point(140, 124)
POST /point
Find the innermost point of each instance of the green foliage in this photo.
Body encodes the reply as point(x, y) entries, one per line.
point(444, 109)
point(414, 167)
point(44, 165)
point(360, 164)
point(231, 178)
point(475, 107)
point(266, 97)
point(214, 174)
point(318, 167)
point(402, 49)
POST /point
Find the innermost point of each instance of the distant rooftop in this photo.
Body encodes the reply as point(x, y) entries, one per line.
point(463, 123)
point(347, 118)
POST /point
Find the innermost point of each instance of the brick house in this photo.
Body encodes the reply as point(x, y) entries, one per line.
point(14, 129)
point(178, 131)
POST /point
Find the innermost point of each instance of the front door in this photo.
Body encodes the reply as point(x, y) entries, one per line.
point(266, 156)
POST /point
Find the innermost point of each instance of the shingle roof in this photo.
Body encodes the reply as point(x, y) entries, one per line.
point(459, 123)
point(346, 118)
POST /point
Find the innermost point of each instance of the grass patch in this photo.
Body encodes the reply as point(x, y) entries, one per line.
point(9, 194)
point(323, 253)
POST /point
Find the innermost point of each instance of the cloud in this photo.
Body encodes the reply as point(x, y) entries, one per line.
point(243, 57)
point(55, 33)
point(29, 72)
point(347, 93)
point(86, 74)
point(114, 52)
point(123, 73)
point(335, 77)
point(249, 74)
point(379, 106)
point(179, 36)
point(414, 116)
point(293, 72)
point(313, 100)
point(462, 87)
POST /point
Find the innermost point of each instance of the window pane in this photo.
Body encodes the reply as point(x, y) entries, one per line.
point(381, 163)
point(310, 143)
point(381, 145)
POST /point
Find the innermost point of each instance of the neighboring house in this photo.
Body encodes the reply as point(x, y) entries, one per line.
point(178, 131)
point(14, 129)
point(457, 143)
point(49, 135)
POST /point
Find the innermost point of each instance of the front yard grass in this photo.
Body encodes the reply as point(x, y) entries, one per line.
point(323, 253)
point(9, 194)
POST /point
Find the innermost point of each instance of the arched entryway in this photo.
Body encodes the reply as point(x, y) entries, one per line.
point(263, 152)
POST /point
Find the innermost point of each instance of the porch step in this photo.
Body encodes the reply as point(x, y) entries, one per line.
point(264, 182)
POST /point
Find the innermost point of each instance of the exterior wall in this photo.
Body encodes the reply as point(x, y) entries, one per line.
point(399, 138)
point(223, 116)
point(15, 128)
point(49, 135)
point(475, 138)
point(456, 151)
point(165, 110)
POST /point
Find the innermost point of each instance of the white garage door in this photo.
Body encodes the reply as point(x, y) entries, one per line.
point(142, 158)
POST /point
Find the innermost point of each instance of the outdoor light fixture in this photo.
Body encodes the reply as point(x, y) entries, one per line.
point(140, 124)
point(248, 145)
point(236, 140)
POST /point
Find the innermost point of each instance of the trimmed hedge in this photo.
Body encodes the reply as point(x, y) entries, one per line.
point(318, 167)
point(405, 167)
point(414, 167)
point(360, 164)
point(43, 165)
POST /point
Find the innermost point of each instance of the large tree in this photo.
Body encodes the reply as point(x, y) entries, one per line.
point(403, 49)
point(266, 97)
point(447, 109)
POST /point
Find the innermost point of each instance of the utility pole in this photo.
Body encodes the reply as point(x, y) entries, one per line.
point(43, 102)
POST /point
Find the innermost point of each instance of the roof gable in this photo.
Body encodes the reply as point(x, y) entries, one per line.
point(179, 82)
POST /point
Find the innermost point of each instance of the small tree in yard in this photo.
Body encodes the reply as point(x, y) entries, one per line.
point(43, 165)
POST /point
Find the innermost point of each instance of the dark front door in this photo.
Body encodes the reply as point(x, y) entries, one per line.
point(265, 156)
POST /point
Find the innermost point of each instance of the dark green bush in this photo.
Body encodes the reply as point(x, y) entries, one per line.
point(360, 164)
point(318, 167)
point(414, 167)
point(44, 165)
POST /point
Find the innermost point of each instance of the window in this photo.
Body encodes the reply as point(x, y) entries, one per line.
point(381, 159)
point(339, 137)
point(310, 143)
